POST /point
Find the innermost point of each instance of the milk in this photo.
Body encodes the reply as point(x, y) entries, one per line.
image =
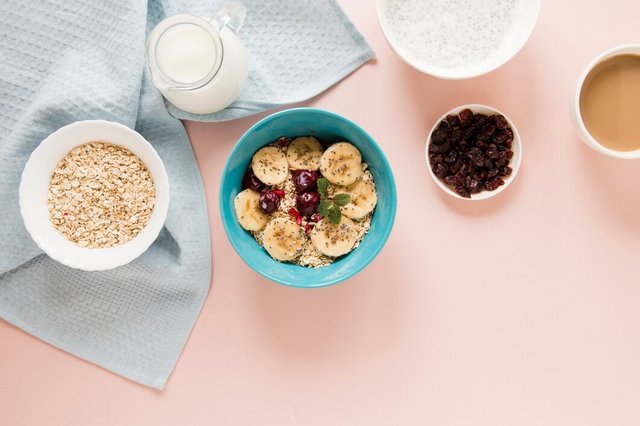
point(186, 53)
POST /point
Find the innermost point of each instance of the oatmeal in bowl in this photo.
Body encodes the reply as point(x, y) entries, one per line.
point(94, 195)
point(307, 198)
point(305, 204)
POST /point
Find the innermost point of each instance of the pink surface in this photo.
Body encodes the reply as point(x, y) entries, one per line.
point(520, 310)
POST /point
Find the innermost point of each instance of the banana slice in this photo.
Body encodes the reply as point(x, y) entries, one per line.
point(363, 199)
point(270, 165)
point(334, 240)
point(247, 207)
point(304, 153)
point(283, 239)
point(341, 164)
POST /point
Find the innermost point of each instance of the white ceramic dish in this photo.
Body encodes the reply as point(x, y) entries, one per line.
point(34, 186)
point(514, 163)
point(455, 39)
point(577, 114)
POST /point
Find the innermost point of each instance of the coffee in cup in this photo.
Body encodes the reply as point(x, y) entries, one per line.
point(607, 104)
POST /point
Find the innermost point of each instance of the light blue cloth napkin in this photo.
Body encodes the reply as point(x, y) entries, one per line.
point(68, 60)
point(297, 49)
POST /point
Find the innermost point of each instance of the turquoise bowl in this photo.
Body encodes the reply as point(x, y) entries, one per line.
point(324, 125)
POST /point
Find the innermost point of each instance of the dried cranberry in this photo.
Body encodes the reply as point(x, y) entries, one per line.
point(305, 180)
point(307, 203)
point(269, 202)
point(249, 180)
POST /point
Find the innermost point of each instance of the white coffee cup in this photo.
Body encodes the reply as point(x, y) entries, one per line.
point(583, 132)
point(199, 64)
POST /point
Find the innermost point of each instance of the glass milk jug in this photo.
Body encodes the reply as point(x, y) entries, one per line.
point(199, 64)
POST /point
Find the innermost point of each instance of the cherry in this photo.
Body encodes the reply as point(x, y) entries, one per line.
point(249, 180)
point(305, 180)
point(269, 202)
point(307, 203)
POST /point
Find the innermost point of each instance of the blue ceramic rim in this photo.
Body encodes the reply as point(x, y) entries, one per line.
point(386, 227)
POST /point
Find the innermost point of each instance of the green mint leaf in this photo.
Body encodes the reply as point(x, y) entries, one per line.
point(341, 200)
point(334, 214)
point(323, 186)
point(323, 207)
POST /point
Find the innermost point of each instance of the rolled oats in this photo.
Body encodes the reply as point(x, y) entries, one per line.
point(100, 195)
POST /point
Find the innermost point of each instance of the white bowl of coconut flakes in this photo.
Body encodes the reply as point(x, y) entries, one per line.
point(94, 195)
point(457, 39)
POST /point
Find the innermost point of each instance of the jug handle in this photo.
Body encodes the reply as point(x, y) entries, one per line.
point(231, 15)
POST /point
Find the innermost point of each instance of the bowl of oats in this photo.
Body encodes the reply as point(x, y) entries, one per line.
point(94, 195)
point(307, 198)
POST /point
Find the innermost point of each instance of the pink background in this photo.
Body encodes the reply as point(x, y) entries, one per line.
point(521, 310)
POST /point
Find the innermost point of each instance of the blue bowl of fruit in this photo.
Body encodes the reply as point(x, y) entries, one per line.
point(307, 198)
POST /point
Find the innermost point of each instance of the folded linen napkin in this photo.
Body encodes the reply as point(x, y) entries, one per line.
point(296, 49)
point(68, 60)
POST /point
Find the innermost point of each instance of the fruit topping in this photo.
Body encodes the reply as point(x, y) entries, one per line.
point(307, 203)
point(305, 180)
point(249, 180)
point(269, 201)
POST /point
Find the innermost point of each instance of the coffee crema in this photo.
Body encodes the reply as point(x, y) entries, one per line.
point(610, 102)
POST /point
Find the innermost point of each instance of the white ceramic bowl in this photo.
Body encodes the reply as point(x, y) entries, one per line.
point(584, 134)
point(514, 163)
point(34, 186)
point(421, 32)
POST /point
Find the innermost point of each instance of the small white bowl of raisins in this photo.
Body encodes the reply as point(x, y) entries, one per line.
point(473, 152)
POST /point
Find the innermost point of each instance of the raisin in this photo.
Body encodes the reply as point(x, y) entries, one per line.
point(471, 152)
point(452, 180)
point(436, 159)
point(465, 116)
point(501, 122)
point(453, 120)
point(440, 170)
point(457, 166)
point(474, 186)
point(505, 171)
point(462, 191)
point(451, 157)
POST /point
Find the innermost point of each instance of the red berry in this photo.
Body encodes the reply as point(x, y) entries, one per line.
point(307, 203)
point(249, 180)
point(269, 202)
point(305, 180)
point(295, 214)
